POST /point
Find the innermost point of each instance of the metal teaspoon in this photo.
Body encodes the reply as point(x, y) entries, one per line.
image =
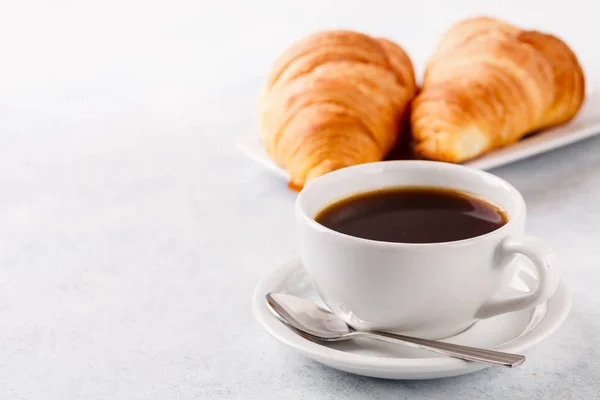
point(313, 322)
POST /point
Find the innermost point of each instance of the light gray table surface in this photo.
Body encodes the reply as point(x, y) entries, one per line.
point(132, 232)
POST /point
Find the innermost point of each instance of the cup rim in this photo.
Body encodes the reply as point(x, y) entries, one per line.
point(399, 164)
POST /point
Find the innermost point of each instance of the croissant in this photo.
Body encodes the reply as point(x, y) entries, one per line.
point(334, 99)
point(489, 84)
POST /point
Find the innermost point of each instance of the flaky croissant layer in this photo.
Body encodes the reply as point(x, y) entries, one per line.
point(334, 99)
point(488, 85)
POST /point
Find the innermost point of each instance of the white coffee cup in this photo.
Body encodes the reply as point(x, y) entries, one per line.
point(432, 290)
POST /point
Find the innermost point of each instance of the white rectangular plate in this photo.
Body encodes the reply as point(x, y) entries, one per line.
point(584, 125)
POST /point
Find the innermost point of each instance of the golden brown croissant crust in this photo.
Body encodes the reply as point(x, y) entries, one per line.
point(334, 99)
point(488, 85)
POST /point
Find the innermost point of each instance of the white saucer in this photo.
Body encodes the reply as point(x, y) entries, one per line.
point(514, 332)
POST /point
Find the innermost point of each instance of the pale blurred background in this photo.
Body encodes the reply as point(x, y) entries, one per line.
point(195, 62)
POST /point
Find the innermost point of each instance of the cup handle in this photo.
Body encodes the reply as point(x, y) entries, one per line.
point(546, 264)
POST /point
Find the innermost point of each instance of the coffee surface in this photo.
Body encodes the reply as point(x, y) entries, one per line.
point(413, 215)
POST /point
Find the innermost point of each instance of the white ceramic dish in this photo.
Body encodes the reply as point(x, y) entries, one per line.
point(514, 332)
point(584, 125)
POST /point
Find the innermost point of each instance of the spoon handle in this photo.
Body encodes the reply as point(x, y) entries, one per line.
point(450, 349)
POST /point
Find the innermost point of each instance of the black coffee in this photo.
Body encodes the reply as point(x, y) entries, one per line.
point(413, 215)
